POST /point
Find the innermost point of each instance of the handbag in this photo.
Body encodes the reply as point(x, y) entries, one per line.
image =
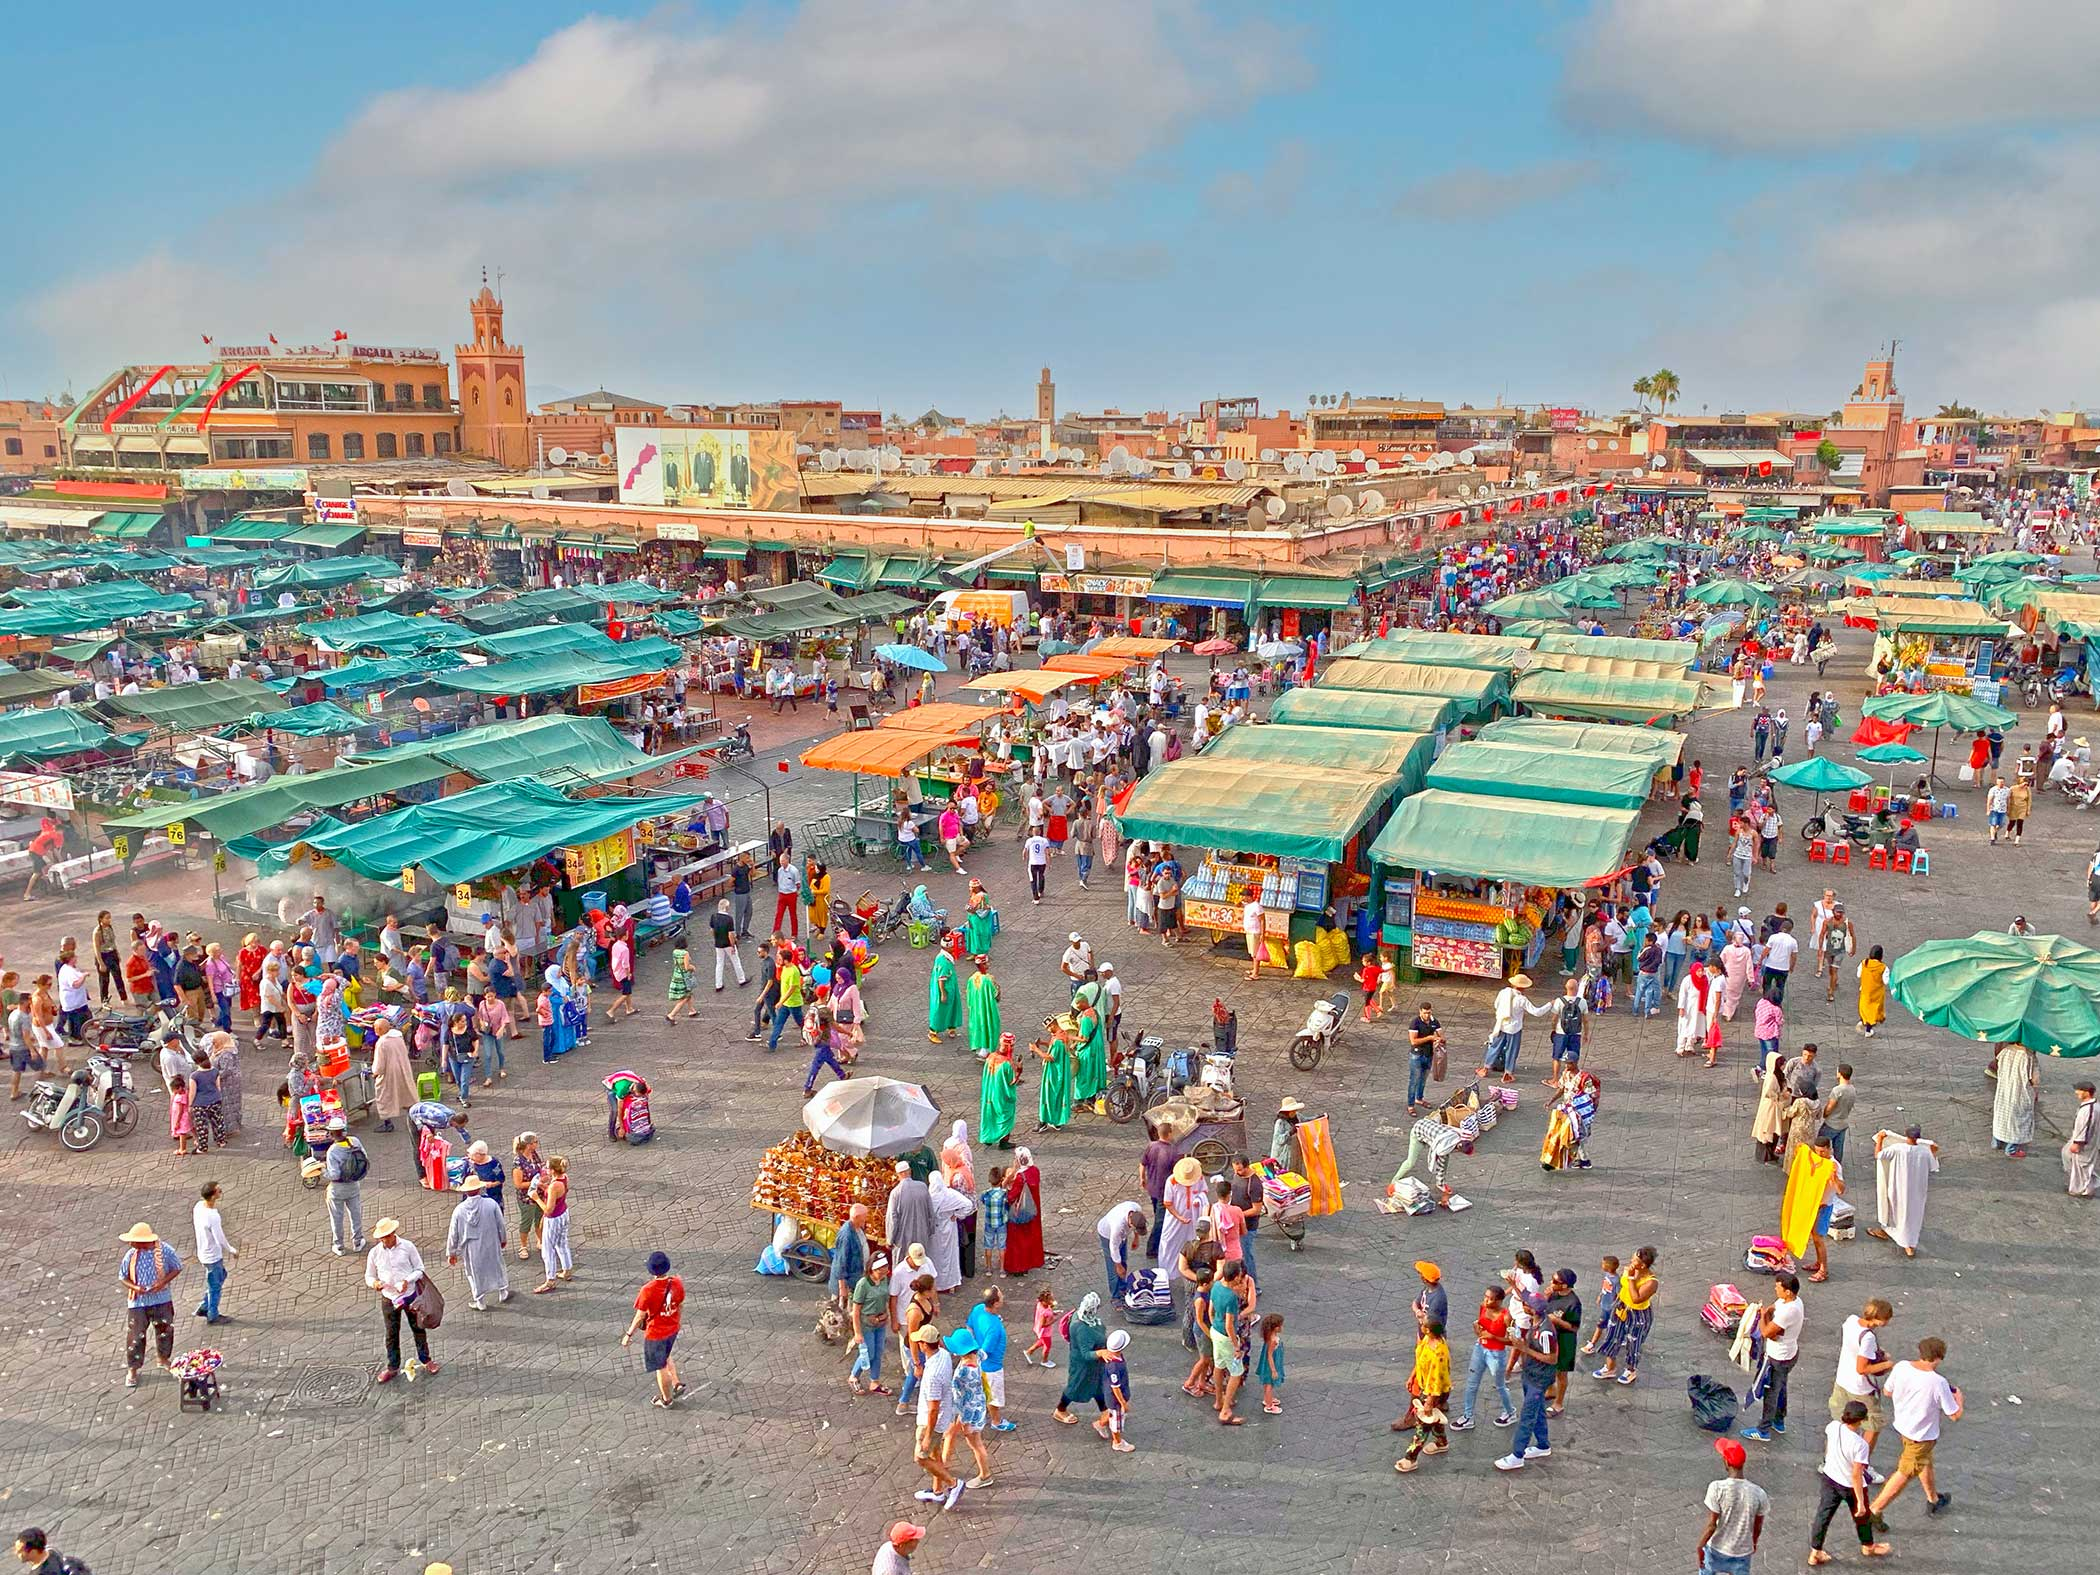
point(1023, 1212)
point(427, 1311)
point(1436, 1061)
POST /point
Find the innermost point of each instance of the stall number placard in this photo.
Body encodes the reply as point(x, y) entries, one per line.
point(1480, 959)
point(587, 862)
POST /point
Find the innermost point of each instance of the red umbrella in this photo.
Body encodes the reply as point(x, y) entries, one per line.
point(1214, 647)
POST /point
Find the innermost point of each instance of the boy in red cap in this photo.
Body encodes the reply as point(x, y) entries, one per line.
point(1735, 1515)
point(894, 1556)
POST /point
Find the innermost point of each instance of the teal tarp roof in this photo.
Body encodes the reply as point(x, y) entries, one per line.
point(542, 639)
point(555, 604)
point(386, 631)
point(1250, 806)
point(1537, 844)
point(1489, 652)
point(1477, 693)
point(577, 745)
point(48, 735)
point(328, 571)
point(322, 719)
point(363, 673)
point(1287, 746)
point(1650, 743)
point(197, 707)
point(1353, 708)
point(559, 670)
point(490, 829)
point(1526, 771)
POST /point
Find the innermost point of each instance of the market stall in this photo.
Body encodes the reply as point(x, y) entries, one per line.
point(1290, 836)
point(1478, 694)
point(1286, 744)
point(846, 1153)
point(1544, 772)
point(1367, 709)
point(1933, 643)
point(1678, 653)
point(1661, 749)
point(1652, 702)
point(1493, 653)
point(1465, 879)
point(893, 750)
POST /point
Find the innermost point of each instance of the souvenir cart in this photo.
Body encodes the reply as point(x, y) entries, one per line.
point(803, 1181)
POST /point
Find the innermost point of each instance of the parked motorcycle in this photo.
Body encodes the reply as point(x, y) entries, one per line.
point(1323, 1026)
point(1843, 824)
point(68, 1109)
point(736, 743)
point(1130, 1073)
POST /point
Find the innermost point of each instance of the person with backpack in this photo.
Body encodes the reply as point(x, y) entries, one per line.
point(345, 1166)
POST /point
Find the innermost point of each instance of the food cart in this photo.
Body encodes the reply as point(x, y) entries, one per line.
point(846, 1153)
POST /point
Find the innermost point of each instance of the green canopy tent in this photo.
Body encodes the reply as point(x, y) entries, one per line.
point(456, 594)
point(1507, 770)
point(386, 632)
point(1526, 604)
point(1649, 548)
point(1597, 598)
point(49, 735)
point(546, 639)
point(1366, 708)
point(1248, 806)
point(1530, 842)
point(1404, 755)
point(482, 832)
point(1487, 652)
point(676, 622)
point(1875, 571)
point(560, 670)
point(1731, 592)
point(1978, 575)
point(1751, 535)
point(1941, 708)
point(322, 719)
point(1653, 702)
point(1833, 552)
point(1611, 576)
point(323, 573)
point(1845, 525)
point(554, 604)
point(362, 673)
point(1478, 694)
point(196, 708)
point(634, 593)
point(2017, 559)
point(1660, 749)
point(2041, 991)
point(1535, 628)
point(20, 688)
point(558, 748)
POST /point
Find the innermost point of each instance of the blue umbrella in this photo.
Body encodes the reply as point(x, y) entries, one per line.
point(912, 657)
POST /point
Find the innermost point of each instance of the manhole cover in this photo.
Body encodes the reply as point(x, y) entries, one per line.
point(330, 1386)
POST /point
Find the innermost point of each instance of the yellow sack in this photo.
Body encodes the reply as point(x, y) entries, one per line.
point(1274, 955)
point(1336, 944)
point(1311, 964)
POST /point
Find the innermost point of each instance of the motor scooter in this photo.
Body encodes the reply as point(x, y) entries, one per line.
point(1323, 1026)
point(68, 1109)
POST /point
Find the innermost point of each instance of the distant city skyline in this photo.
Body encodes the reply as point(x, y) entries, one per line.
point(918, 204)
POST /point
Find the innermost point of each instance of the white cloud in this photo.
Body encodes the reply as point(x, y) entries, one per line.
point(1471, 191)
point(1988, 282)
point(632, 177)
point(1793, 75)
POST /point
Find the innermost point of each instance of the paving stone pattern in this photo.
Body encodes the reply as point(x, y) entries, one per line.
point(536, 1448)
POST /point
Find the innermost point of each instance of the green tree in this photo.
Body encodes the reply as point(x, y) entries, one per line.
point(1958, 412)
point(1665, 386)
point(1642, 388)
point(1829, 455)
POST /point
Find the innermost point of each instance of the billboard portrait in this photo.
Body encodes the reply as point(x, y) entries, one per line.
point(707, 468)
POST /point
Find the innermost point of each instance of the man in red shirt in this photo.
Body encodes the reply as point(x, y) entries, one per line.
point(656, 1313)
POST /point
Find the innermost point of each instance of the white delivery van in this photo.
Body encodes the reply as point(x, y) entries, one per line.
point(953, 610)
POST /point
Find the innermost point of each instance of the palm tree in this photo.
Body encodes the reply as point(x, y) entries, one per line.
point(1665, 385)
point(1957, 412)
point(1642, 388)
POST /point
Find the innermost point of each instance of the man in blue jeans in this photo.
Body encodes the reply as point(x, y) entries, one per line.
point(789, 1005)
point(1568, 1013)
point(1538, 1349)
point(1423, 1036)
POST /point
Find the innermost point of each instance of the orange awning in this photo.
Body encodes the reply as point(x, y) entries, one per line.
point(1034, 686)
point(1093, 663)
point(1134, 646)
point(878, 752)
point(941, 716)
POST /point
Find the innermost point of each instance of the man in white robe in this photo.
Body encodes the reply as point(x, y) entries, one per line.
point(1903, 1169)
point(478, 1235)
point(2082, 1152)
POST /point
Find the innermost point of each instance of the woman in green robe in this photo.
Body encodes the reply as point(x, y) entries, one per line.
point(1053, 1100)
point(1090, 1058)
point(981, 1001)
point(944, 1002)
point(995, 1095)
point(979, 923)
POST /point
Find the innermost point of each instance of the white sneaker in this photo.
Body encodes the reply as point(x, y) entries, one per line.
point(1533, 1452)
point(1509, 1463)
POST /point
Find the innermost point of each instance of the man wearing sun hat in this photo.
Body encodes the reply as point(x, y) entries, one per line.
point(147, 1271)
point(394, 1269)
point(1735, 1515)
point(894, 1556)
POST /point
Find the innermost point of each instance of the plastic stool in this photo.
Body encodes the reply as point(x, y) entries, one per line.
point(1858, 802)
point(1841, 853)
point(1921, 863)
point(1950, 811)
point(1818, 851)
point(920, 933)
point(1878, 858)
point(1899, 860)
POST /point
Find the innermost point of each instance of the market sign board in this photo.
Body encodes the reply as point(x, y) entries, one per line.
point(589, 862)
point(1096, 584)
point(707, 468)
point(242, 479)
point(41, 792)
point(1455, 936)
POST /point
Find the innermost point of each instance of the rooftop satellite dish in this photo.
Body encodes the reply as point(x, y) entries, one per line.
point(1339, 507)
point(828, 459)
point(557, 456)
point(541, 494)
point(459, 489)
point(803, 451)
point(1593, 445)
point(1531, 478)
point(1356, 456)
point(1275, 508)
point(1141, 467)
point(1371, 502)
point(1257, 517)
point(1659, 462)
point(1612, 444)
point(1183, 470)
point(1268, 456)
point(1466, 456)
point(922, 467)
point(1328, 462)
point(893, 452)
point(1175, 451)
point(1107, 468)
point(977, 468)
point(1235, 470)
point(1292, 464)
point(1118, 454)
point(1464, 491)
point(1372, 467)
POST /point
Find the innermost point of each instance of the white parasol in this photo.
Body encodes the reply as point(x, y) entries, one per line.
point(871, 1116)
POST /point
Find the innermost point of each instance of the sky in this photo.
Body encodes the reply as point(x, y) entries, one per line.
point(921, 202)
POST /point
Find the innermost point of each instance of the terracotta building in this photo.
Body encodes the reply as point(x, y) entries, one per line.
point(492, 414)
point(29, 439)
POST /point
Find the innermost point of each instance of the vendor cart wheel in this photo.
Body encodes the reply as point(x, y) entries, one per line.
point(807, 1262)
point(1293, 1231)
point(312, 1182)
point(1212, 1155)
point(1305, 1053)
point(1123, 1101)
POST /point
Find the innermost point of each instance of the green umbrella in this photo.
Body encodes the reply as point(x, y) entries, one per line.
point(2040, 991)
point(2011, 595)
point(2019, 560)
point(1599, 597)
point(1727, 592)
point(1941, 708)
point(1986, 573)
point(2080, 579)
point(1833, 552)
point(1875, 571)
point(1612, 575)
point(1640, 547)
point(1526, 604)
point(1802, 579)
point(1892, 756)
point(1819, 774)
point(1757, 533)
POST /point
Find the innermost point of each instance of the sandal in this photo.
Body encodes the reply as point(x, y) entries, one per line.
point(1270, 1408)
point(542, 1290)
point(1232, 1421)
point(873, 1389)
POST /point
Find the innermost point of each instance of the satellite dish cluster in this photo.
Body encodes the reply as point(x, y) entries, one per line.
point(875, 460)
